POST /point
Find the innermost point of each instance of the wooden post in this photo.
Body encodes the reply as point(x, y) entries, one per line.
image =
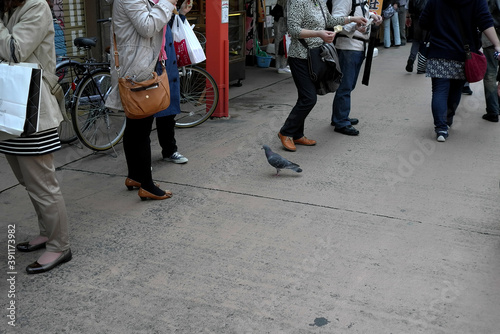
point(217, 51)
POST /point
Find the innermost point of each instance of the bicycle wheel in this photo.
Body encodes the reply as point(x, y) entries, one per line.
point(68, 73)
point(199, 96)
point(97, 127)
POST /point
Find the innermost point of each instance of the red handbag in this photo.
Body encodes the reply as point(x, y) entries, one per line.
point(475, 66)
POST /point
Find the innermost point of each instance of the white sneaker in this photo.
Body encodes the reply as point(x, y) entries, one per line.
point(177, 158)
point(284, 70)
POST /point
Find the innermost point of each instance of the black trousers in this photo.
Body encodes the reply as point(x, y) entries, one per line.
point(294, 124)
point(137, 147)
point(165, 127)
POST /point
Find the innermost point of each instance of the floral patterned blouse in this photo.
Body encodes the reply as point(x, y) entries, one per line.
point(307, 14)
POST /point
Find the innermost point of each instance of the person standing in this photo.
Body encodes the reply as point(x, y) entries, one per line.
point(446, 54)
point(138, 27)
point(26, 27)
point(490, 81)
point(280, 30)
point(402, 11)
point(308, 20)
point(351, 48)
point(394, 21)
point(165, 119)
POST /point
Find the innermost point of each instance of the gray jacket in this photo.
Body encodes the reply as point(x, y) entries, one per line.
point(32, 29)
point(138, 26)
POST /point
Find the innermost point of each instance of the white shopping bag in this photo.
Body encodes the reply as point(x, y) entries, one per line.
point(187, 47)
point(20, 86)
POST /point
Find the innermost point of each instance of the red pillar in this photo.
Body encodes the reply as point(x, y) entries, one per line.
point(217, 50)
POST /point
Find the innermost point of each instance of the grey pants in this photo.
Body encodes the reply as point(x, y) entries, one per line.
point(37, 174)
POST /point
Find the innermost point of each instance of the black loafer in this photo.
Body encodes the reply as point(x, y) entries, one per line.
point(491, 117)
point(354, 121)
point(348, 130)
point(37, 268)
point(26, 247)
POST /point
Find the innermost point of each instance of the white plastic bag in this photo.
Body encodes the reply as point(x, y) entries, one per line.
point(20, 86)
point(187, 47)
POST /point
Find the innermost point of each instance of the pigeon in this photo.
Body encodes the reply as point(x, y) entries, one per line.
point(278, 162)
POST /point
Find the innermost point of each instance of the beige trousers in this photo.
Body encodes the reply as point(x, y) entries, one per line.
point(37, 174)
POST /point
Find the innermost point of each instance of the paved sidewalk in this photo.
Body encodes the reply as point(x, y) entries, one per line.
point(386, 232)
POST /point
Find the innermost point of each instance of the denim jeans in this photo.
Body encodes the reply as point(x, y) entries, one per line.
point(446, 94)
point(350, 63)
point(395, 28)
point(294, 124)
point(490, 82)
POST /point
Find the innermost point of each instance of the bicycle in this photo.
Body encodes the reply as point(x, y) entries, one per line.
point(86, 86)
point(199, 96)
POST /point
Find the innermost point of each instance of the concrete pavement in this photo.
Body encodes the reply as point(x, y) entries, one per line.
point(386, 232)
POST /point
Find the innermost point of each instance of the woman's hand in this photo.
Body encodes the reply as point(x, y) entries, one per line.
point(326, 36)
point(186, 6)
point(360, 20)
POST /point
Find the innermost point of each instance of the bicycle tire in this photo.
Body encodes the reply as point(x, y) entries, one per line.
point(97, 127)
point(199, 96)
point(68, 73)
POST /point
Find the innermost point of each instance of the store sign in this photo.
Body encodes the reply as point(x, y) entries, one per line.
point(376, 6)
point(225, 11)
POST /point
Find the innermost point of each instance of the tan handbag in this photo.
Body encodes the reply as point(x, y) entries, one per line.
point(145, 98)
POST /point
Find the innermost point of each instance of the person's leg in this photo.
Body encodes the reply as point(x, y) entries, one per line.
point(454, 96)
point(387, 33)
point(490, 86)
point(294, 124)
point(137, 147)
point(350, 64)
point(395, 27)
point(402, 24)
point(37, 174)
point(165, 128)
point(439, 104)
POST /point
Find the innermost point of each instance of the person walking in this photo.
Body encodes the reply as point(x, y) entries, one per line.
point(138, 27)
point(308, 20)
point(280, 30)
point(351, 44)
point(165, 119)
point(490, 81)
point(445, 19)
point(27, 35)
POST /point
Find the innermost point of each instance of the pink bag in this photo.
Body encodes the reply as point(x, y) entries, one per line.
point(182, 53)
point(475, 66)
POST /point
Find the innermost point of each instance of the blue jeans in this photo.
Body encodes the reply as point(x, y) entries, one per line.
point(294, 124)
point(490, 82)
point(446, 94)
point(350, 64)
point(395, 28)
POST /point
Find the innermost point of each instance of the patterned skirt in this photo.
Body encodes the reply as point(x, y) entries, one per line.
point(445, 69)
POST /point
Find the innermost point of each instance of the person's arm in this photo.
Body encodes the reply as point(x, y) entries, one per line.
point(491, 34)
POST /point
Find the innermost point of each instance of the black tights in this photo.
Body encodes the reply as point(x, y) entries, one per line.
point(137, 147)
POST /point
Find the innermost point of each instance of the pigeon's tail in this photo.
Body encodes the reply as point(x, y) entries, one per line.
point(295, 168)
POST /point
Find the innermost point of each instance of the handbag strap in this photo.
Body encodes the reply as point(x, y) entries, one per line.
point(302, 40)
point(117, 58)
point(462, 33)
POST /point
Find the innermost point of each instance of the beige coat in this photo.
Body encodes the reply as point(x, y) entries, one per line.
point(138, 26)
point(32, 29)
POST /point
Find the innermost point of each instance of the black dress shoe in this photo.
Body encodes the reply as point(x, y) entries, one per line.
point(26, 247)
point(37, 268)
point(354, 121)
point(491, 117)
point(348, 130)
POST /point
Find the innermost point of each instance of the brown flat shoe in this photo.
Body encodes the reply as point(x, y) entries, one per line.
point(131, 184)
point(287, 142)
point(305, 141)
point(144, 195)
